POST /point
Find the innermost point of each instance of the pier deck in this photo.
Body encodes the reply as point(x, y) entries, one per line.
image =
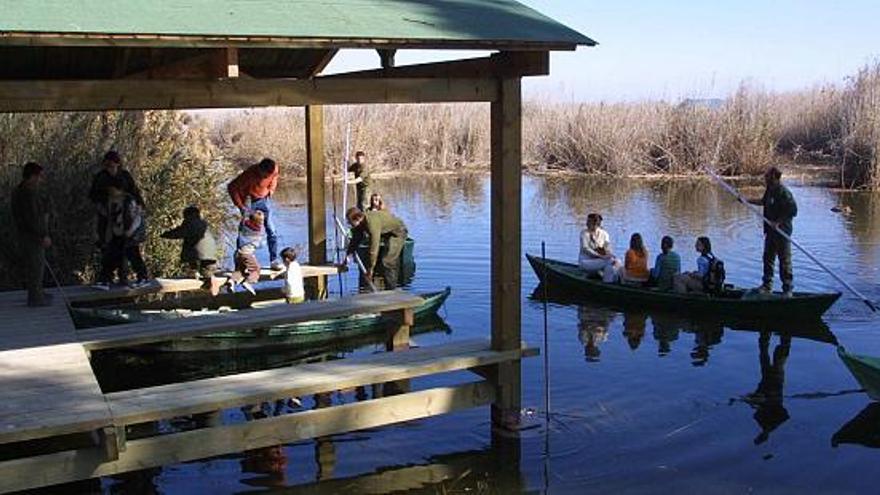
point(48, 388)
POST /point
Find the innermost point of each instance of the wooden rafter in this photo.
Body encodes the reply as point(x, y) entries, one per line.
point(46, 96)
point(320, 64)
point(506, 64)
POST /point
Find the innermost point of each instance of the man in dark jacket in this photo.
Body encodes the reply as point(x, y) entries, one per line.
point(780, 209)
point(378, 225)
point(199, 251)
point(31, 215)
point(113, 173)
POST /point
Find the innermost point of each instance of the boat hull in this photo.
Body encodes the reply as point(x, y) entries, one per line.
point(567, 277)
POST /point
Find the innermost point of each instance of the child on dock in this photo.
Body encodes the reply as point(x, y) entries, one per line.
point(247, 268)
point(123, 236)
point(294, 291)
point(199, 250)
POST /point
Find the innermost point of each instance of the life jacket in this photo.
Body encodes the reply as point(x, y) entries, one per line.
point(713, 281)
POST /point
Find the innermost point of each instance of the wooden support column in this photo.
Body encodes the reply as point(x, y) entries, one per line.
point(317, 210)
point(398, 340)
point(506, 202)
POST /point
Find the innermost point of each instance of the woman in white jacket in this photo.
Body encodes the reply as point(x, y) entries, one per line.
point(596, 256)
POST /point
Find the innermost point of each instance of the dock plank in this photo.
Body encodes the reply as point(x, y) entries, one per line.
point(179, 399)
point(157, 331)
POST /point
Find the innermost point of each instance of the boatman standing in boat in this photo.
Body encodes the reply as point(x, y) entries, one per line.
point(780, 209)
point(361, 179)
point(379, 225)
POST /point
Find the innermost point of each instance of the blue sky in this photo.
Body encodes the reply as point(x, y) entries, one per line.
point(655, 49)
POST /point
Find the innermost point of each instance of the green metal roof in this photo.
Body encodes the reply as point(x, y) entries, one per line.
point(414, 23)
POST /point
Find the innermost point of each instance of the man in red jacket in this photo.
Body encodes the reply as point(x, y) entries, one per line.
point(250, 191)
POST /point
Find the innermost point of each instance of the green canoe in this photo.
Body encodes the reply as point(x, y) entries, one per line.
point(738, 304)
point(865, 369)
point(297, 334)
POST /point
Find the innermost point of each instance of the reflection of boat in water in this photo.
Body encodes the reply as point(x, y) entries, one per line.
point(864, 429)
point(707, 329)
point(297, 334)
point(732, 304)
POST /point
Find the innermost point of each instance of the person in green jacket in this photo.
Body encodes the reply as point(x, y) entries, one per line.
point(199, 250)
point(30, 211)
point(780, 209)
point(361, 179)
point(378, 225)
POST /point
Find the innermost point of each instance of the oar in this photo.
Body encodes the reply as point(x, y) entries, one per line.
point(754, 209)
point(357, 257)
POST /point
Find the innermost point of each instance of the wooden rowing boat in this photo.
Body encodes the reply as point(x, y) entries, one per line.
point(297, 334)
point(738, 304)
point(865, 369)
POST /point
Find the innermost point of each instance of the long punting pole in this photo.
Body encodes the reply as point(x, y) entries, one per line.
point(345, 161)
point(754, 209)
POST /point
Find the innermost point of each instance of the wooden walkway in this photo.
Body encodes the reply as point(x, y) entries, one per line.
point(48, 388)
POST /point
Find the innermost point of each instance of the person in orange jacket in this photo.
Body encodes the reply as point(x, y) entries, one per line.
point(251, 191)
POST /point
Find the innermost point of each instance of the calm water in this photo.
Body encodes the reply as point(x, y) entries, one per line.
point(640, 402)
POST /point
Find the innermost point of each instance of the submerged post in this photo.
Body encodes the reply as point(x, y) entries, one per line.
point(317, 286)
point(506, 188)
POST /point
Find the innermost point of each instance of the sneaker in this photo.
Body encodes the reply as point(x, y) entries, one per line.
point(101, 286)
point(248, 287)
point(276, 265)
point(764, 290)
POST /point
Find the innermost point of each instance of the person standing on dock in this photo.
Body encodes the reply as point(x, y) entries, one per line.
point(378, 225)
point(112, 173)
point(780, 209)
point(199, 250)
point(30, 212)
point(250, 191)
point(361, 179)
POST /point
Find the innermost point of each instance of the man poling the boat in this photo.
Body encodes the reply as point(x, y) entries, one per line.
point(787, 237)
point(780, 208)
point(378, 225)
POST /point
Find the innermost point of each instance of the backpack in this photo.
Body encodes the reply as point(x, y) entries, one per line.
point(713, 281)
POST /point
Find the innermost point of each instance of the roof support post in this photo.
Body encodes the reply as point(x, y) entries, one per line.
point(506, 182)
point(317, 210)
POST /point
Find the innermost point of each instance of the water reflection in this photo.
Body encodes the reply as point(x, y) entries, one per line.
point(593, 323)
point(767, 399)
point(864, 429)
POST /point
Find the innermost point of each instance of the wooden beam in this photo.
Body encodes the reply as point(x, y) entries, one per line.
point(45, 96)
point(317, 209)
point(506, 204)
point(181, 41)
point(51, 469)
point(210, 394)
point(400, 324)
point(320, 64)
point(386, 57)
point(506, 64)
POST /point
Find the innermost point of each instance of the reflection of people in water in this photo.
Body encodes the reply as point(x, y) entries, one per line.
point(767, 398)
point(705, 336)
point(269, 461)
point(665, 332)
point(634, 328)
point(593, 323)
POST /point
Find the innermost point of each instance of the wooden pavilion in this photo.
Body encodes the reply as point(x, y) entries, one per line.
point(97, 55)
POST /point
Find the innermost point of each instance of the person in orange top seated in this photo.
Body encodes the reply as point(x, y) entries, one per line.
point(251, 191)
point(635, 267)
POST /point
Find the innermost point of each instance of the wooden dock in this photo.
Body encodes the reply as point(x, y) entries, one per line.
point(45, 358)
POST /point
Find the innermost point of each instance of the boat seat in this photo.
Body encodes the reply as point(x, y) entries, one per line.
point(200, 396)
point(132, 334)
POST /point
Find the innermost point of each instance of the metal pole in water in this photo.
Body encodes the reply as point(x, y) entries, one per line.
point(546, 374)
